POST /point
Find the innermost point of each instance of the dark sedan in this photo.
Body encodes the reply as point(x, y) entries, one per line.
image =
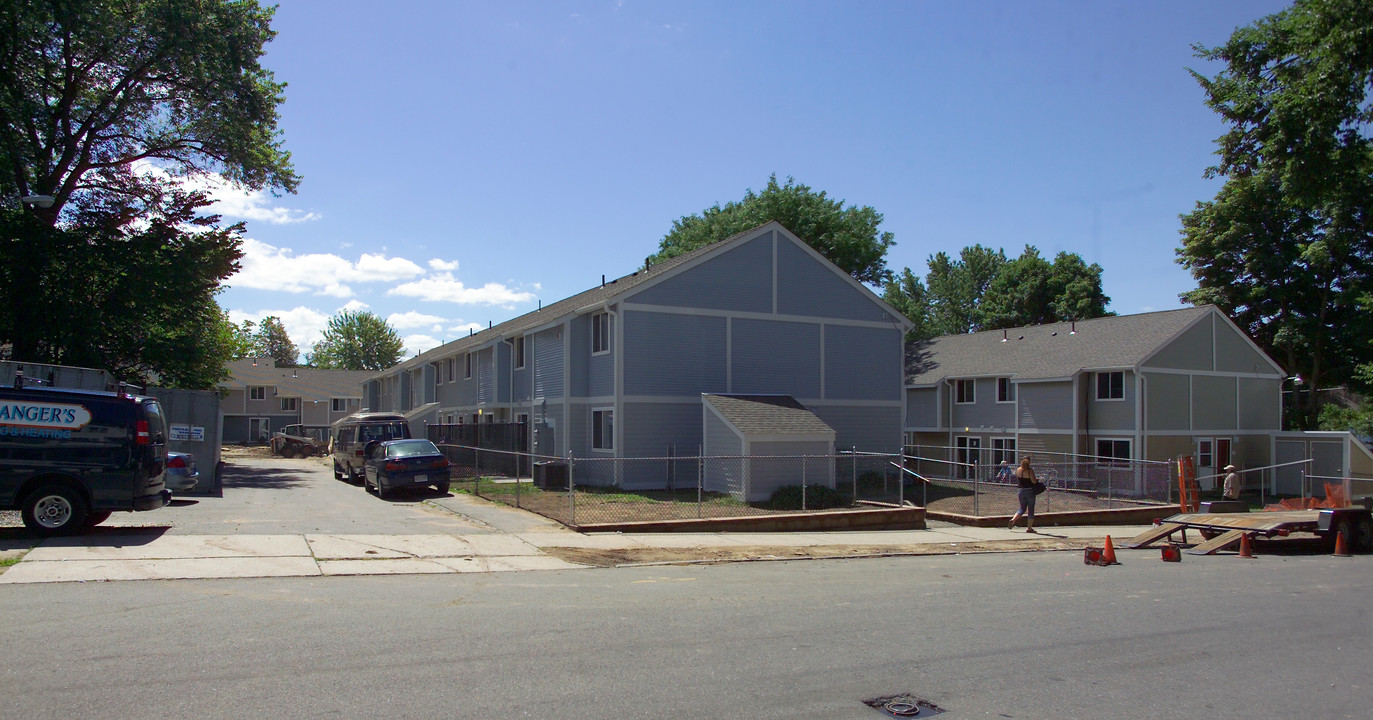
point(405, 463)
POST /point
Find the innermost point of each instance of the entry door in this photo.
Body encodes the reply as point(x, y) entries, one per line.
point(968, 451)
point(259, 430)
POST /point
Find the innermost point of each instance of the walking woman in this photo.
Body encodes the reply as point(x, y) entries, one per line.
point(1025, 481)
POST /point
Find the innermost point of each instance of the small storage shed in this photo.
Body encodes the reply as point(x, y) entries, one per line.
point(755, 444)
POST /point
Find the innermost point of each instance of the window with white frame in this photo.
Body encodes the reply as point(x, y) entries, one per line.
point(257, 392)
point(1003, 450)
point(1113, 448)
point(1005, 390)
point(600, 333)
point(964, 392)
point(340, 404)
point(290, 404)
point(467, 366)
point(1110, 385)
point(517, 350)
point(452, 369)
point(603, 429)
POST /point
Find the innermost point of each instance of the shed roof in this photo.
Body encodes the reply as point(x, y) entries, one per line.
point(767, 415)
point(1048, 351)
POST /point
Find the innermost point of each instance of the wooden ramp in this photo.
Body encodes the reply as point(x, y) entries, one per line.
point(1154, 534)
point(1216, 543)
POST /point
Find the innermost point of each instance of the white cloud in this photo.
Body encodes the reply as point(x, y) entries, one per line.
point(443, 265)
point(416, 344)
point(446, 288)
point(466, 328)
point(229, 200)
point(267, 267)
point(412, 319)
point(354, 306)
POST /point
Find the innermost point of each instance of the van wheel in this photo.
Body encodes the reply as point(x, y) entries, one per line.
point(96, 518)
point(54, 510)
point(338, 474)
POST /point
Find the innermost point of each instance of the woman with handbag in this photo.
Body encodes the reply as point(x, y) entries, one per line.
point(1025, 484)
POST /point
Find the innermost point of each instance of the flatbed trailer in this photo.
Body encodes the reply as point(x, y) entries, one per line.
point(1222, 529)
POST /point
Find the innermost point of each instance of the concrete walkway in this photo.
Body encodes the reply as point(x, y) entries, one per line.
point(509, 540)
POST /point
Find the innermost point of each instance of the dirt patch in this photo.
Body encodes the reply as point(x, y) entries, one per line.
point(684, 556)
point(245, 451)
point(1003, 500)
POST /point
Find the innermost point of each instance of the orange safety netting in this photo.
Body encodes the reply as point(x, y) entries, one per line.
point(1334, 498)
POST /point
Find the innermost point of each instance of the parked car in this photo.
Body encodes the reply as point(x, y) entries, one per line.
point(405, 464)
point(68, 458)
point(350, 436)
point(181, 471)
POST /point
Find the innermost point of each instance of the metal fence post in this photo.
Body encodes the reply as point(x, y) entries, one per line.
point(803, 482)
point(853, 450)
point(901, 483)
point(700, 478)
point(571, 493)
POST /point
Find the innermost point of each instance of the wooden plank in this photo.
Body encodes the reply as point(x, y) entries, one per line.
point(1152, 535)
point(1216, 543)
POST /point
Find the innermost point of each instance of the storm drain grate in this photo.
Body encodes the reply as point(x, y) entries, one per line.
point(904, 706)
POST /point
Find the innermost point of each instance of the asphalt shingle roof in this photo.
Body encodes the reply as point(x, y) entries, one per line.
point(767, 414)
point(303, 382)
point(1047, 351)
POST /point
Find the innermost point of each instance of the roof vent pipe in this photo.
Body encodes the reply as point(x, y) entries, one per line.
point(602, 280)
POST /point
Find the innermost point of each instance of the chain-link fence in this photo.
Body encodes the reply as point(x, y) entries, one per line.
point(981, 481)
point(608, 490)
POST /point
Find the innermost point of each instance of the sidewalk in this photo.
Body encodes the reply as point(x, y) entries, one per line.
point(511, 540)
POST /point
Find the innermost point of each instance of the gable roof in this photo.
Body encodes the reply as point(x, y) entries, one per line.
point(1056, 350)
point(766, 415)
point(303, 382)
point(607, 292)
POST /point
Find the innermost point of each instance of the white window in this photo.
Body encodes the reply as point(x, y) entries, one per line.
point(517, 349)
point(603, 429)
point(290, 404)
point(1110, 385)
point(257, 392)
point(1005, 390)
point(467, 364)
point(963, 392)
point(1114, 448)
point(600, 333)
point(452, 369)
point(340, 404)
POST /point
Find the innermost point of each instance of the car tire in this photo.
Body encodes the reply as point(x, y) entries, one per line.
point(1358, 534)
point(442, 488)
point(54, 509)
point(338, 474)
point(382, 492)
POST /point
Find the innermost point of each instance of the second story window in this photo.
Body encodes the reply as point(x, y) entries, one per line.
point(963, 392)
point(1110, 385)
point(600, 333)
point(467, 360)
point(290, 404)
point(517, 349)
point(257, 392)
point(1005, 390)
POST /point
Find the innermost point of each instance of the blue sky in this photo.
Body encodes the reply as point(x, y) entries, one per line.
point(464, 161)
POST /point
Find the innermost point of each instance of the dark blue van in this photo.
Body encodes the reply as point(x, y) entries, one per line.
point(68, 458)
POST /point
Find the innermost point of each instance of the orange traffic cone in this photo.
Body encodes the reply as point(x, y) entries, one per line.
point(1246, 551)
point(1108, 554)
point(1341, 546)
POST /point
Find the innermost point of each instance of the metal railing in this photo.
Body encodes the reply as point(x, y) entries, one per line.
point(981, 481)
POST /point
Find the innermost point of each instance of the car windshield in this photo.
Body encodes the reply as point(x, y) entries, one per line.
point(410, 448)
point(368, 433)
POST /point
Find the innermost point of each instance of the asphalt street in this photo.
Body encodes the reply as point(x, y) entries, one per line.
point(1024, 635)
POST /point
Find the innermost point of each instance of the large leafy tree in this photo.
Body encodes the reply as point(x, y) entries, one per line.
point(847, 236)
point(105, 106)
point(982, 290)
point(357, 341)
point(271, 340)
point(1286, 246)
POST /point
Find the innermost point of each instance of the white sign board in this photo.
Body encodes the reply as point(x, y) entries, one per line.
point(194, 433)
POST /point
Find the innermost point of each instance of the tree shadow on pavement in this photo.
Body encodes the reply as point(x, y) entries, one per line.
point(261, 478)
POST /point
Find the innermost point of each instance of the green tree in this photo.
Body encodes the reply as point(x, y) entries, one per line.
point(1032, 291)
point(956, 288)
point(357, 341)
point(847, 236)
point(271, 340)
point(1286, 246)
point(908, 295)
point(92, 93)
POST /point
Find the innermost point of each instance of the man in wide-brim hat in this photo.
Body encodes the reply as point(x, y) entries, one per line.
point(1231, 489)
